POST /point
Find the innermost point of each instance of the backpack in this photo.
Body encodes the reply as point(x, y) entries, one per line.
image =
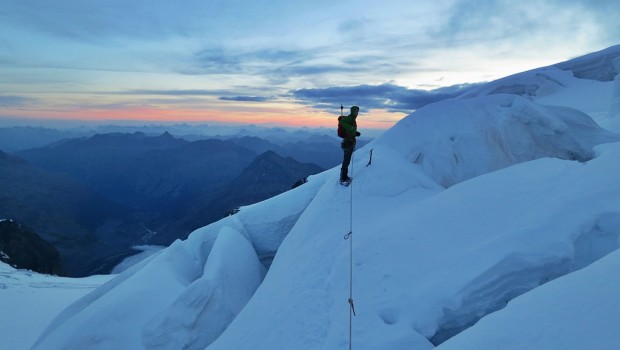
point(341, 132)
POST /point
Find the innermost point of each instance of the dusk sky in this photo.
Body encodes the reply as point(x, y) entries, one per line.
point(275, 62)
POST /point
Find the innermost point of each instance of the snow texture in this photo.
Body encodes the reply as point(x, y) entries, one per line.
point(206, 307)
point(29, 301)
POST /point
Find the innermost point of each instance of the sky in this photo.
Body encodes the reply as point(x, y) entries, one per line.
point(275, 62)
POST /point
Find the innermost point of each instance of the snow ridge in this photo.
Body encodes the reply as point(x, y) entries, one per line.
point(493, 289)
point(208, 305)
point(472, 137)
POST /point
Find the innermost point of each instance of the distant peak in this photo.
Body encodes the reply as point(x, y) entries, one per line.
point(269, 154)
point(119, 135)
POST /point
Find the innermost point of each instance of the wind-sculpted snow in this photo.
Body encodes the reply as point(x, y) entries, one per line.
point(459, 139)
point(518, 273)
point(183, 290)
point(578, 311)
point(532, 84)
point(206, 307)
point(585, 83)
point(596, 66)
point(434, 261)
point(599, 67)
point(469, 205)
point(614, 112)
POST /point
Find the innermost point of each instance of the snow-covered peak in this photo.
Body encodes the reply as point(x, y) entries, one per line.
point(459, 139)
point(535, 83)
point(603, 65)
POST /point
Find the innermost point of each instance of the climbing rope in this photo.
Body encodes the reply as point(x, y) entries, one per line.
point(370, 160)
point(349, 237)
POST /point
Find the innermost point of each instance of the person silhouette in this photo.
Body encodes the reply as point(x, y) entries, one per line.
point(349, 125)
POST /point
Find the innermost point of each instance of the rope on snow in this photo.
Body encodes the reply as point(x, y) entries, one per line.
point(349, 237)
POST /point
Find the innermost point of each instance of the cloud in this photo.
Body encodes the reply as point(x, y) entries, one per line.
point(105, 22)
point(307, 69)
point(276, 67)
point(223, 95)
point(387, 96)
point(509, 22)
point(246, 98)
point(229, 61)
point(320, 65)
point(205, 52)
point(187, 92)
point(15, 101)
point(96, 21)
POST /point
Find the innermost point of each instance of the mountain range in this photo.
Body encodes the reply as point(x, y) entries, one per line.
point(65, 213)
point(113, 191)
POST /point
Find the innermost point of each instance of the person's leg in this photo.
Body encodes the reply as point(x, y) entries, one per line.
point(347, 148)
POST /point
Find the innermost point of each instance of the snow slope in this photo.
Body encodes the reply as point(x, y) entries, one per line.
point(29, 301)
point(578, 311)
point(499, 207)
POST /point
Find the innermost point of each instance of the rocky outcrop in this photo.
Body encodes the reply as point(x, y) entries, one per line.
point(22, 248)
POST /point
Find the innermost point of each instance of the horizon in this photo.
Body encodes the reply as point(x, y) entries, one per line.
point(176, 128)
point(290, 64)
